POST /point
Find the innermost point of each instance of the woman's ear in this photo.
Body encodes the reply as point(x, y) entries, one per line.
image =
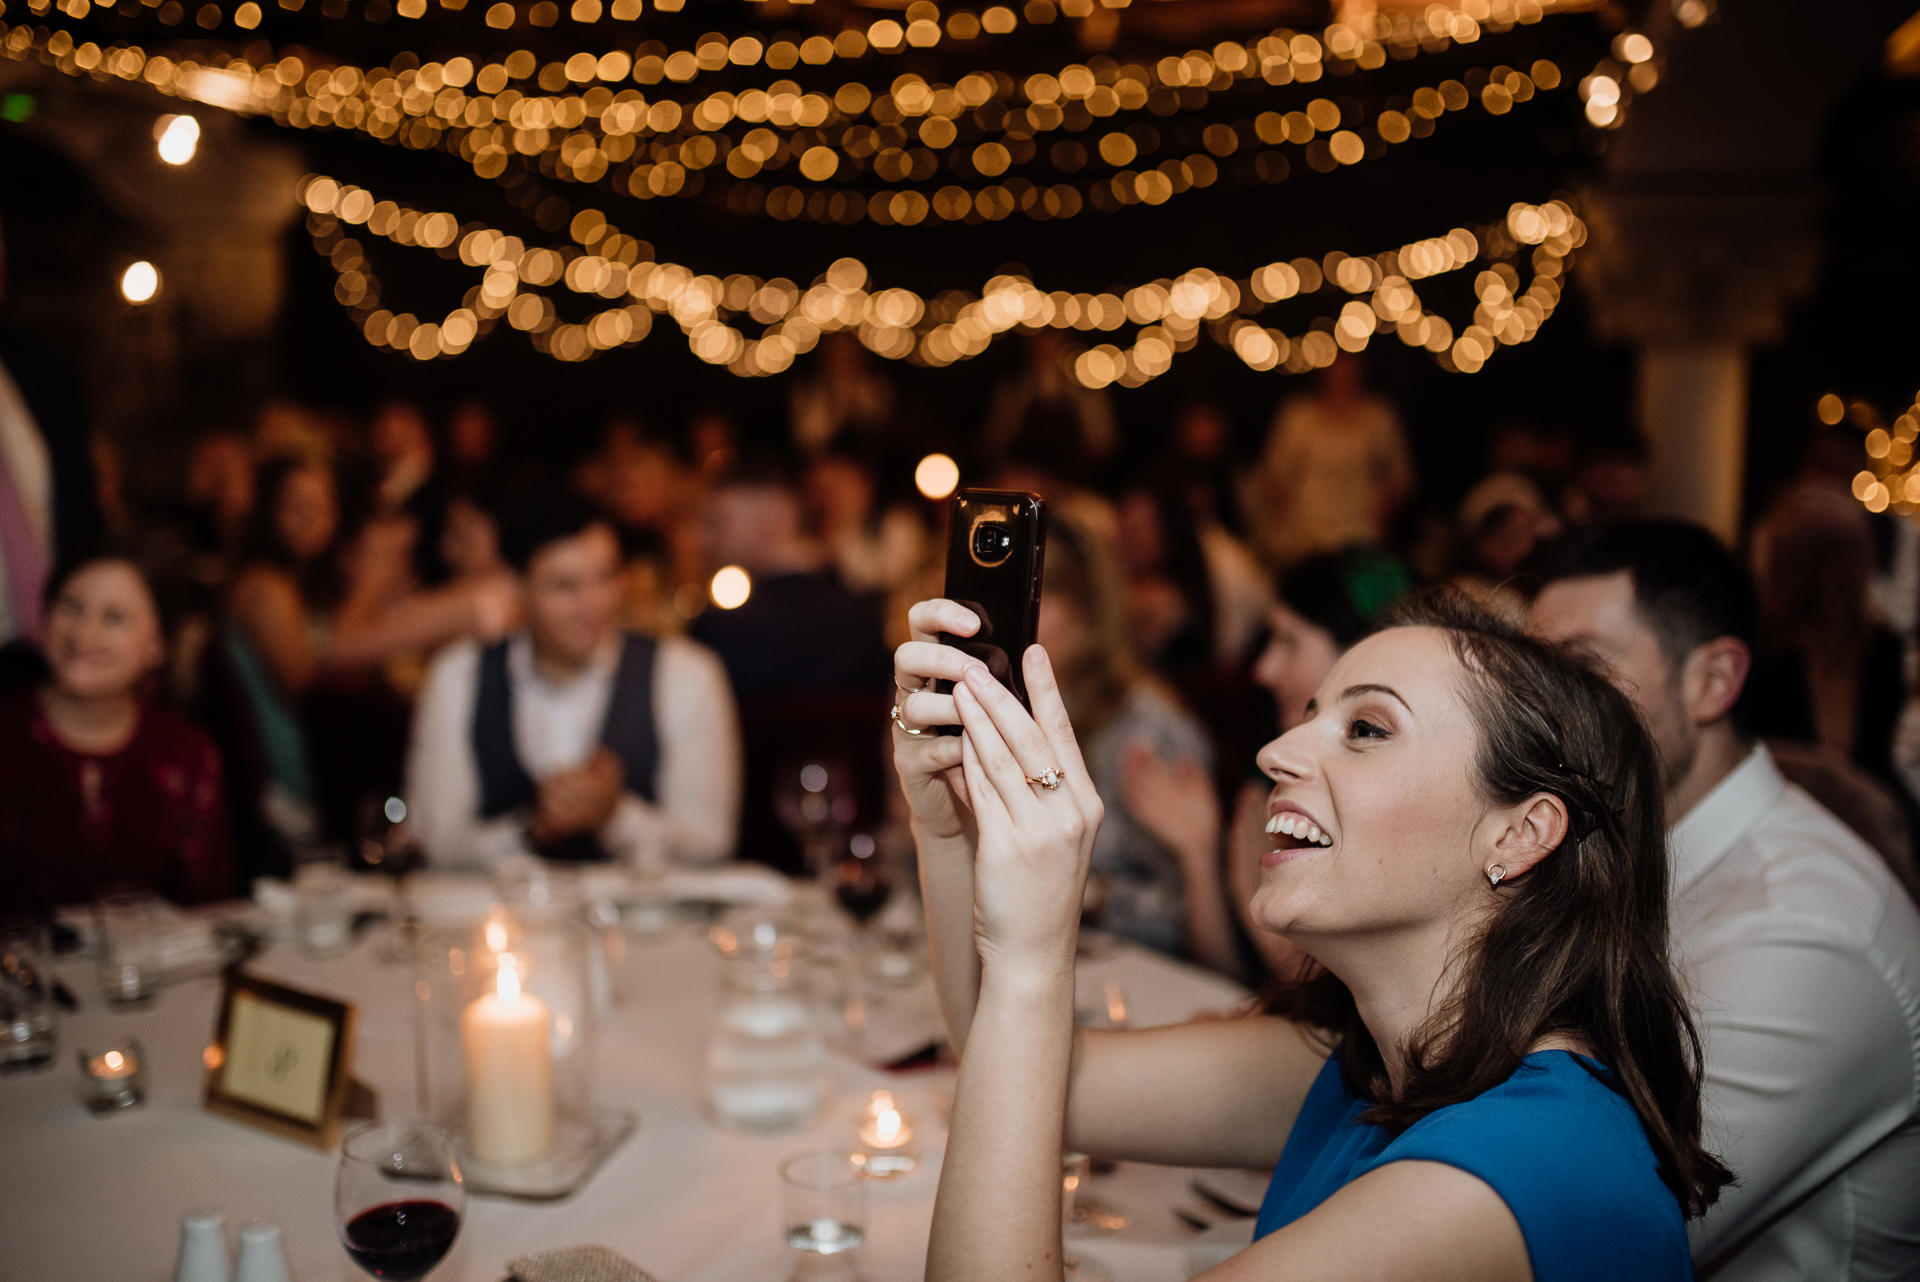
point(1526, 834)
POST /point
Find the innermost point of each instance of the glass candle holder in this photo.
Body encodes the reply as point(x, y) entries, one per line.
point(825, 1199)
point(115, 1078)
point(886, 1147)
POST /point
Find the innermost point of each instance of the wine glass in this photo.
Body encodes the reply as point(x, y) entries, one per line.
point(398, 1198)
point(814, 800)
point(862, 886)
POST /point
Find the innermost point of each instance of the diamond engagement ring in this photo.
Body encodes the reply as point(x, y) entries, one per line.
point(1049, 778)
point(900, 721)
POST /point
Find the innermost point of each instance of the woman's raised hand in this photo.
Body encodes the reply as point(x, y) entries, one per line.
point(1035, 840)
point(929, 764)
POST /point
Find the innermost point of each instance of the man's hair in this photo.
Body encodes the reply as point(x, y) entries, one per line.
point(1689, 589)
point(541, 513)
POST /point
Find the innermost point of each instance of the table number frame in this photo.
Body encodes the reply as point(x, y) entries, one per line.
point(341, 1099)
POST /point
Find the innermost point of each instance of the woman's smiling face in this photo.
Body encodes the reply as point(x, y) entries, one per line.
point(1374, 811)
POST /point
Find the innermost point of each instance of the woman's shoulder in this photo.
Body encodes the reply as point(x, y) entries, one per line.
point(1566, 1152)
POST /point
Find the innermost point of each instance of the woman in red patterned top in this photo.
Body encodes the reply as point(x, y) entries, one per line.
point(97, 785)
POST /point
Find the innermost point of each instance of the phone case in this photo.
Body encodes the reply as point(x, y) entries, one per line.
point(996, 548)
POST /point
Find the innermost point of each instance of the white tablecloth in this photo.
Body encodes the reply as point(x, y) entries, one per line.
point(100, 1199)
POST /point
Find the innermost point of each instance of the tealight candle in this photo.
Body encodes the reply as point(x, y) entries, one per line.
point(887, 1150)
point(510, 1108)
point(114, 1077)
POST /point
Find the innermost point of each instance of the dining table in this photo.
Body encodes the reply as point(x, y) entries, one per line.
point(101, 1197)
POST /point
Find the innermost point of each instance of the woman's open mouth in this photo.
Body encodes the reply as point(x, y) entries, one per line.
point(1294, 835)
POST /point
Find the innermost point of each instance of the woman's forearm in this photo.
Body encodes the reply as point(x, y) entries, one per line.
point(998, 1209)
point(946, 888)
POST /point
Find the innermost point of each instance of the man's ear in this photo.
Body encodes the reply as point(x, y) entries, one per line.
point(1527, 833)
point(1713, 677)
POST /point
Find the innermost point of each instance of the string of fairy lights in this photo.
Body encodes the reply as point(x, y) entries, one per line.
point(600, 136)
point(1893, 478)
point(899, 324)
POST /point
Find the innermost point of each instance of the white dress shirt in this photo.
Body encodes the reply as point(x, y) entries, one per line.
point(1802, 954)
point(556, 726)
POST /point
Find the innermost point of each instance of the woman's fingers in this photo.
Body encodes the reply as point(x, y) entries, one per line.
point(1050, 714)
point(988, 807)
point(1000, 767)
point(928, 619)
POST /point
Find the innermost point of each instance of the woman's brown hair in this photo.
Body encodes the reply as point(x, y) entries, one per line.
point(1576, 946)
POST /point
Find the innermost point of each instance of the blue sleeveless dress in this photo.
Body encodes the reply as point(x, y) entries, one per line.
point(1564, 1151)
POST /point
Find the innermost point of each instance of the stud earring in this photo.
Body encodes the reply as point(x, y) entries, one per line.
point(1494, 874)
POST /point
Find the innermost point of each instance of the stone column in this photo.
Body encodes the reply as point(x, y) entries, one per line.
point(1694, 279)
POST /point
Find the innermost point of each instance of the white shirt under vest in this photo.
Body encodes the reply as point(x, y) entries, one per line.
point(1802, 954)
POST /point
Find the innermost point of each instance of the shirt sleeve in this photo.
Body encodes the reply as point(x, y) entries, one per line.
point(1809, 1063)
point(696, 816)
point(443, 779)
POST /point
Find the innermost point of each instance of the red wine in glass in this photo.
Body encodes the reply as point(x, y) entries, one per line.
point(864, 898)
point(401, 1240)
point(398, 1198)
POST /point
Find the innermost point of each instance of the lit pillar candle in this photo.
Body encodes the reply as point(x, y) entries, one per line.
point(509, 1072)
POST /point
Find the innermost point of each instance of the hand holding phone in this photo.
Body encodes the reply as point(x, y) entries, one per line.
point(996, 546)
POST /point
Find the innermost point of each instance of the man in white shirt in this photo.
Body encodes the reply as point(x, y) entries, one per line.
point(571, 738)
point(1801, 951)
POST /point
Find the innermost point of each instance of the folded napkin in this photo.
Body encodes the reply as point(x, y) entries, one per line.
point(577, 1264)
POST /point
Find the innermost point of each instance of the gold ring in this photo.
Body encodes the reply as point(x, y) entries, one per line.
point(919, 689)
point(900, 721)
point(1049, 778)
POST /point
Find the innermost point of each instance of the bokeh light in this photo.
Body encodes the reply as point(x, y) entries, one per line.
point(937, 476)
point(730, 588)
point(140, 282)
point(178, 138)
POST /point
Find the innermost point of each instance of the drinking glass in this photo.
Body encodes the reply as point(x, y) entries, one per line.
point(398, 1198)
point(323, 908)
point(129, 946)
point(26, 996)
point(825, 1198)
point(1075, 1267)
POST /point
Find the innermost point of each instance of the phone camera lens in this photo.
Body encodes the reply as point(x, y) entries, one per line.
point(992, 543)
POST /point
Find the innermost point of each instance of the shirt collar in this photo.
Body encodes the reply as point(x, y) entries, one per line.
point(1724, 817)
point(522, 669)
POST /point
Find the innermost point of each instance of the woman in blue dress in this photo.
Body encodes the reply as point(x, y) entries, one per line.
point(1485, 1070)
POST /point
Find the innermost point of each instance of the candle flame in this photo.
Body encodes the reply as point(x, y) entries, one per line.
point(886, 1128)
point(880, 1103)
point(507, 982)
point(114, 1059)
point(497, 935)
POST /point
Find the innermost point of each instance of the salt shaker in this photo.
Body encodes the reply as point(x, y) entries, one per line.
point(262, 1258)
point(203, 1248)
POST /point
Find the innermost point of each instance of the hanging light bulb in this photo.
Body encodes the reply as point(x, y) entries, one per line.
point(140, 282)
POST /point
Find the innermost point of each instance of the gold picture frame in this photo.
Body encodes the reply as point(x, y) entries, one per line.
point(281, 1060)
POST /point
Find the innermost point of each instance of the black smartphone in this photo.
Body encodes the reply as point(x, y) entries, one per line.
point(996, 542)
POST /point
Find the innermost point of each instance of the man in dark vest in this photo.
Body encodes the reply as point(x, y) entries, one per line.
point(573, 739)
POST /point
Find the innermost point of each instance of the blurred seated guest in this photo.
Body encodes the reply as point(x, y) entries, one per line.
point(841, 398)
point(573, 739)
point(97, 785)
point(1801, 951)
point(1042, 414)
point(1164, 894)
point(402, 450)
point(800, 631)
point(874, 547)
point(1335, 470)
point(1170, 611)
point(1825, 671)
point(1325, 606)
point(1502, 519)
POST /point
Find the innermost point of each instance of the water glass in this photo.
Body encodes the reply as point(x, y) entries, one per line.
point(323, 907)
point(825, 1199)
point(129, 947)
point(26, 996)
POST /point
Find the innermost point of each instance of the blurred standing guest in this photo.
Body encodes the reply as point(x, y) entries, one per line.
point(1609, 481)
point(471, 436)
point(874, 547)
point(1800, 949)
point(97, 785)
point(48, 502)
point(800, 631)
point(841, 399)
point(1335, 470)
point(572, 738)
point(1502, 519)
point(402, 450)
point(1171, 612)
point(1825, 671)
point(1164, 894)
point(1201, 454)
point(1324, 606)
point(220, 494)
point(1042, 414)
